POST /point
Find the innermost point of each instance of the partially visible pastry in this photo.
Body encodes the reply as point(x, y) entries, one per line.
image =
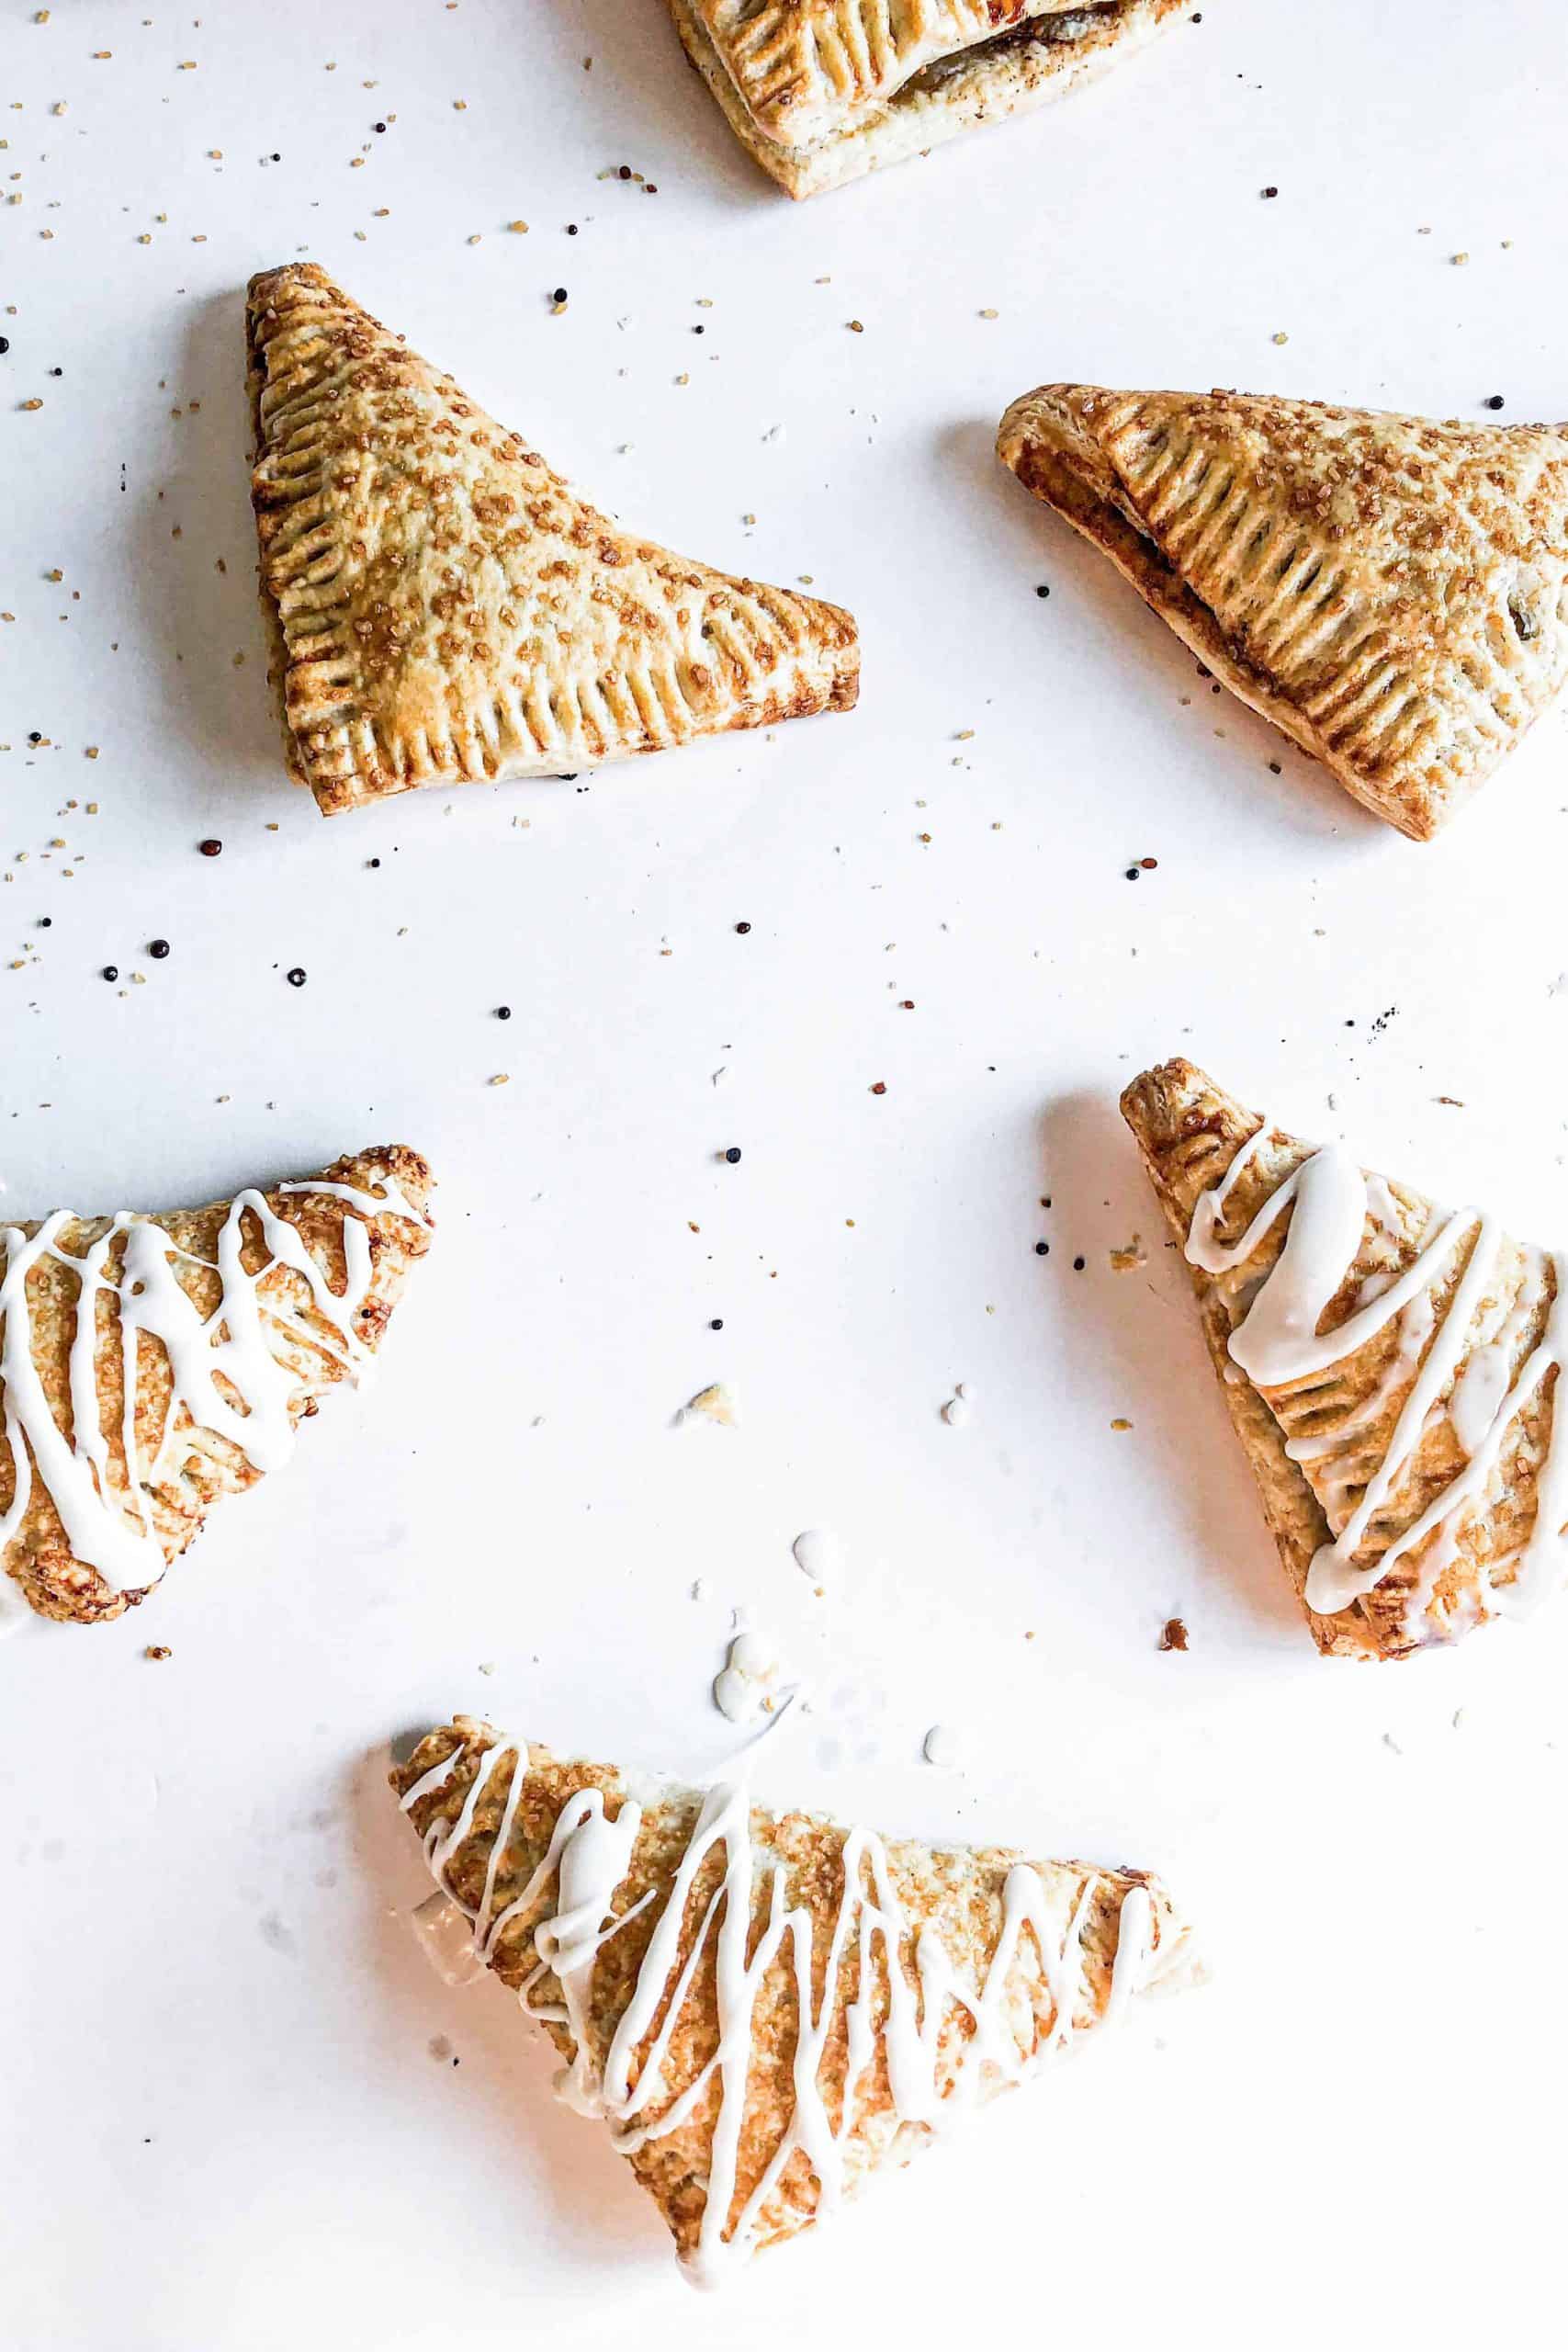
point(151, 1364)
point(1391, 591)
point(767, 2008)
point(1393, 1370)
point(823, 91)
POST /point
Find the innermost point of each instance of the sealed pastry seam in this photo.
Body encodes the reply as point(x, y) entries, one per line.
point(766, 2009)
point(151, 1364)
point(1392, 593)
point(445, 608)
point(1392, 1367)
point(821, 92)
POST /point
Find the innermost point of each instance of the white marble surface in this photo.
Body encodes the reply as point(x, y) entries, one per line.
point(223, 2125)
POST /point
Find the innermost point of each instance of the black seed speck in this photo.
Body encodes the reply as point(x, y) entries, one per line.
point(733, 1154)
point(716, 1324)
point(1042, 1248)
point(559, 294)
point(1270, 191)
point(46, 922)
point(743, 928)
point(1079, 1264)
point(111, 971)
point(1495, 400)
point(504, 1012)
point(572, 228)
point(1042, 590)
point(35, 737)
point(1132, 874)
point(4, 345)
point(375, 861)
point(158, 948)
point(297, 977)
point(699, 330)
point(380, 126)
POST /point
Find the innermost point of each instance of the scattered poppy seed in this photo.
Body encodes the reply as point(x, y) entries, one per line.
point(1132, 874)
point(1078, 1265)
point(1042, 590)
point(375, 861)
point(504, 1012)
point(716, 1324)
point(1270, 191)
point(1042, 1248)
point(742, 928)
point(559, 294)
point(212, 847)
point(1495, 400)
point(111, 971)
point(733, 1154)
point(380, 126)
point(296, 978)
point(158, 948)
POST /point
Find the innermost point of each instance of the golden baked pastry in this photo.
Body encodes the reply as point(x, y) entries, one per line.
point(1392, 1369)
point(1391, 591)
point(150, 1364)
point(768, 2009)
point(444, 609)
point(822, 91)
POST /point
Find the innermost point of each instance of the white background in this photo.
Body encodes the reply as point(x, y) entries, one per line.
point(223, 2127)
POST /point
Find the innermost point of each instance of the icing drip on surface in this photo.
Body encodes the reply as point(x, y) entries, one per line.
point(589, 1856)
point(221, 1366)
point(1277, 1343)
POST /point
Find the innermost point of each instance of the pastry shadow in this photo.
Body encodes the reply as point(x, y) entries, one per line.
point(648, 105)
point(191, 563)
point(1140, 1332)
point(1239, 783)
point(521, 2136)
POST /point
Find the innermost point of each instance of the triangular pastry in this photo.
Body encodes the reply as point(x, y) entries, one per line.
point(1391, 591)
point(150, 1364)
point(768, 2009)
point(1393, 1368)
point(446, 609)
point(822, 91)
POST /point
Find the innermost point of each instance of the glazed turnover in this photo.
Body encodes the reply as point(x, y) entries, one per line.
point(767, 2009)
point(1394, 1369)
point(150, 1365)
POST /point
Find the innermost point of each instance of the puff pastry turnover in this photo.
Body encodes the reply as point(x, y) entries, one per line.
point(822, 91)
point(150, 1364)
point(766, 2009)
point(1391, 591)
point(444, 608)
point(1393, 1370)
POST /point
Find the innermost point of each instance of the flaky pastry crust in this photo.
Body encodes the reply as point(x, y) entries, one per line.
point(446, 609)
point(1391, 591)
point(819, 92)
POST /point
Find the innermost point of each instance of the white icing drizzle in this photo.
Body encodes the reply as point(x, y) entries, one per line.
point(221, 1366)
point(589, 1856)
point(1277, 1343)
